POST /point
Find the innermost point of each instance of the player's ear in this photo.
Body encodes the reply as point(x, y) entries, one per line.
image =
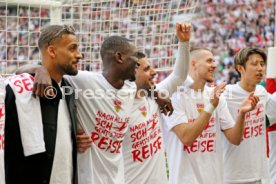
point(119, 57)
point(51, 51)
point(240, 68)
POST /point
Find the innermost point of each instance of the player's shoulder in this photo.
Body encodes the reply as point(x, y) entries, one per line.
point(130, 85)
point(260, 89)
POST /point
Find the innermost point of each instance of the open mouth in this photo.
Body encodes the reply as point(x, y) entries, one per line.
point(151, 80)
point(260, 75)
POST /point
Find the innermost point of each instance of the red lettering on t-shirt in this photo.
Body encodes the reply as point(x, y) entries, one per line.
point(24, 83)
point(253, 131)
point(138, 135)
point(147, 150)
point(200, 146)
point(105, 143)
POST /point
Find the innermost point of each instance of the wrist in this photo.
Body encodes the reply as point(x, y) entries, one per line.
point(39, 69)
point(184, 41)
point(209, 108)
point(241, 112)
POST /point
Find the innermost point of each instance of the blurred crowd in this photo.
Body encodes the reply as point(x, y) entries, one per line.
point(223, 26)
point(227, 26)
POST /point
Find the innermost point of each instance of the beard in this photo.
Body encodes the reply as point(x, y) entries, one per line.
point(70, 70)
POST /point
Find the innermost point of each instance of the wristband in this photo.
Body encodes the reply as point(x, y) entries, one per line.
point(209, 108)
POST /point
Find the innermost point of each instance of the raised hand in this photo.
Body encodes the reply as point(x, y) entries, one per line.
point(249, 103)
point(216, 94)
point(183, 32)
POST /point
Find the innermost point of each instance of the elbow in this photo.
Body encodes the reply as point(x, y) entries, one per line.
point(187, 141)
point(236, 142)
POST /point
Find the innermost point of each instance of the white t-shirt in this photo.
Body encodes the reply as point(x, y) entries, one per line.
point(143, 149)
point(63, 162)
point(247, 162)
point(144, 157)
point(2, 126)
point(202, 162)
point(103, 113)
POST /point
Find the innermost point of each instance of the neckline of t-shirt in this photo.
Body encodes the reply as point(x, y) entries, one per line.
point(107, 83)
point(243, 90)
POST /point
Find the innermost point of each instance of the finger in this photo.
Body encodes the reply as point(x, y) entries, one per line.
point(34, 89)
point(170, 109)
point(178, 28)
point(255, 100)
point(85, 145)
point(253, 103)
point(37, 91)
point(163, 110)
point(80, 131)
point(189, 26)
point(258, 99)
point(42, 88)
point(84, 138)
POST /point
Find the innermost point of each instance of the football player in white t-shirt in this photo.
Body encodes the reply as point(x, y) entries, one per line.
point(143, 150)
point(193, 133)
point(247, 163)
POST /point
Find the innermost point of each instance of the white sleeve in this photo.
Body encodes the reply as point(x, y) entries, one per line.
point(180, 70)
point(271, 108)
point(224, 117)
point(80, 79)
point(179, 114)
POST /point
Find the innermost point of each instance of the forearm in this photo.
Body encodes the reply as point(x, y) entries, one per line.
point(28, 68)
point(188, 132)
point(235, 134)
point(181, 67)
point(180, 70)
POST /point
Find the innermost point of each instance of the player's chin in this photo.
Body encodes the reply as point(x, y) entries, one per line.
point(258, 80)
point(211, 79)
point(72, 71)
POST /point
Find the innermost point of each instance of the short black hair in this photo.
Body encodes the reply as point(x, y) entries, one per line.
point(114, 44)
point(51, 33)
point(141, 55)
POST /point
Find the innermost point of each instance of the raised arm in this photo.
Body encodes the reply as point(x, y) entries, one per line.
point(181, 67)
